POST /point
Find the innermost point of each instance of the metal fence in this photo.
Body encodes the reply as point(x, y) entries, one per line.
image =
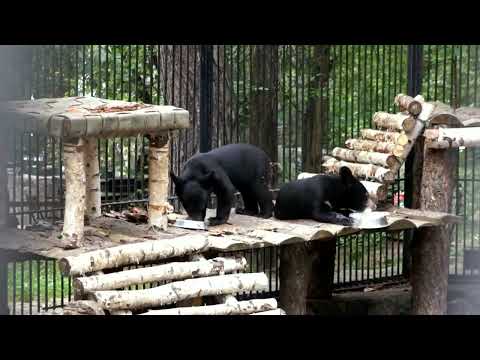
point(235, 93)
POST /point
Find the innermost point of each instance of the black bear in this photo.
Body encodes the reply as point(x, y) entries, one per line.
point(324, 198)
point(241, 167)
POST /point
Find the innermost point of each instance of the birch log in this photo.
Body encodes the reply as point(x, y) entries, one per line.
point(83, 307)
point(75, 183)
point(158, 181)
point(229, 308)
point(365, 157)
point(452, 138)
point(417, 131)
point(375, 146)
point(398, 121)
point(136, 253)
point(121, 312)
point(407, 103)
point(181, 290)
point(171, 271)
point(377, 191)
point(366, 171)
point(385, 136)
point(93, 205)
point(271, 312)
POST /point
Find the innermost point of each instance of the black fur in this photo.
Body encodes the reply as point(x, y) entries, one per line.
point(324, 198)
point(241, 167)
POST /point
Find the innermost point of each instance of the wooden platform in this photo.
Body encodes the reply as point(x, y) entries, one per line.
point(242, 232)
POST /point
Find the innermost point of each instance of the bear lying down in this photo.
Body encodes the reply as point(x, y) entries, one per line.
point(222, 171)
point(324, 198)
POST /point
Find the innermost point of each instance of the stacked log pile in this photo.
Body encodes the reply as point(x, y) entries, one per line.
point(378, 154)
point(101, 284)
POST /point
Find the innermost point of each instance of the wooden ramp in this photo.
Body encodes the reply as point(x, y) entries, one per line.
point(378, 154)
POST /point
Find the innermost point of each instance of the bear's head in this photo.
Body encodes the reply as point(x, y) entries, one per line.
point(355, 196)
point(193, 194)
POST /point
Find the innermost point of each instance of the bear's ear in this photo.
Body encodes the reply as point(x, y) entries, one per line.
point(346, 176)
point(176, 180)
point(207, 179)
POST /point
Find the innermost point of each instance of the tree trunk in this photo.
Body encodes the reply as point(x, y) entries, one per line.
point(364, 171)
point(181, 290)
point(392, 137)
point(229, 308)
point(452, 138)
point(263, 111)
point(158, 181)
point(375, 146)
point(83, 307)
point(316, 116)
point(407, 103)
point(430, 252)
point(306, 275)
point(170, 271)
point(366, 157)
point(93, 207)
point(75, 182)
point(400, 121)
point(135, 253)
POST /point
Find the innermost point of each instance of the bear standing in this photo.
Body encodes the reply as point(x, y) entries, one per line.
point(241, 167)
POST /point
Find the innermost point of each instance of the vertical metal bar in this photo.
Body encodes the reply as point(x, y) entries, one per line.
point(46, 284)
point(30, 286)
point(14, 287)
point(3, 284)
point(206, 69)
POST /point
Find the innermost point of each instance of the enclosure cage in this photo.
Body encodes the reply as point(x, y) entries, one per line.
point(297, 102)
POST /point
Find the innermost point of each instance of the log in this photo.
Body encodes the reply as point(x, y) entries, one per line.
point(306, 275)
point(229, 308)
point(442, 138)
point(366, 171)
point(121, 312)
point(93, 207)
point(75, 183)
point(158, 157)
point(398, 121)
point(366, 157)
point(181, 290)
point(271, 312)
point(136, 253)
point(375, 146)
point(430, 251)
point(416, 132)
point(385, 136)
point(407, 103)
point(171, 271)
point(377, 191)
point(83, 307)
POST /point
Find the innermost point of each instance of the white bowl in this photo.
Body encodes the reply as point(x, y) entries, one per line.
point(370, 220)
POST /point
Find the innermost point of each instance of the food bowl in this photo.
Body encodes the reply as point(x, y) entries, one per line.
point(370, 219)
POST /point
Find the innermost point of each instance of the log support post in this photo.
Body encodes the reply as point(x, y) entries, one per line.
point(93, 205)
point(158, 158)
point(430, 248)
point(306, 275)
point(75, 191)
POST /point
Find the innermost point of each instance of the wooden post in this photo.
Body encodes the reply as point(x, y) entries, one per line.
point(93, 207)
point(430, 248)
point(158, 167)
point(75, 191)
point(306, 275)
